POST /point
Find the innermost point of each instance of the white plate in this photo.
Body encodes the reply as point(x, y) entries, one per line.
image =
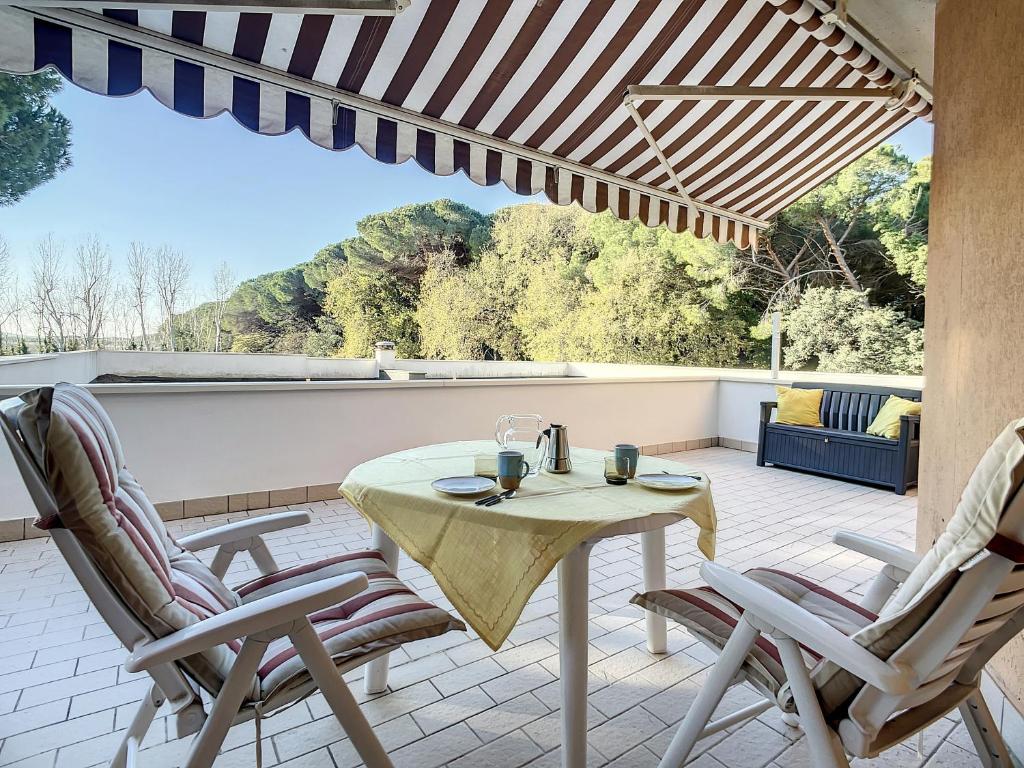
point(470, 485)
point(663, 482)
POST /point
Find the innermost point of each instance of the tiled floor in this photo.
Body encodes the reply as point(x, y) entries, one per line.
point(64, 698)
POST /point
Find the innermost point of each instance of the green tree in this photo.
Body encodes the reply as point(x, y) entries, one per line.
point(661, 297)
point(647, 310)
point(403, 239)
point(549, 312)
point(35, 139)
point(904, 230)
point(452, 315)
point(528, 240)
point(833, 329)
point(274, 303)
point(256, 341)
point(833, 236)
point(372, 305)
point(325, 339)
point(325, 264)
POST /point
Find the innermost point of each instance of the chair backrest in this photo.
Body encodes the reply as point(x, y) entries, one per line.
point(141, 581)
point(959, 606)
point(852, 406)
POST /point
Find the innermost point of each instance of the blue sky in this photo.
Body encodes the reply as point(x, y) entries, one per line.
point(220, 193)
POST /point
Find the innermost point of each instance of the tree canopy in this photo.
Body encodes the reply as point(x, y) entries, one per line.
point(35, 138)
point(846, 264)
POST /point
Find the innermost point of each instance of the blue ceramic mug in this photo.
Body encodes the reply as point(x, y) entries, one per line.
point(626, 458)
point(512, 468)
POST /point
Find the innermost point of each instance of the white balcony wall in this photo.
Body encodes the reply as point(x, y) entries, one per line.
point(74, 367)
point(230, 365)
point(193, 440)
point(481, 369)
point(739, 407)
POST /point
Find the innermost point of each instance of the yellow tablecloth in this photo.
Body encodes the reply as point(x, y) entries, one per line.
point(489, 560)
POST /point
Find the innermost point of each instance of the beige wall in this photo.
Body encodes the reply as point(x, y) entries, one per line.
point(974, 361)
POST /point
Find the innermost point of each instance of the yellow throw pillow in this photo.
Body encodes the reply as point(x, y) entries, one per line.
point(887, 422)
point(799, 407)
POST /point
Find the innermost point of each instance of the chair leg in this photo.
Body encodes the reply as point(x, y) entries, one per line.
point(375, 676)
point(260, 554)
point(722, 675)
point(826, 749)
point(984, 732)
point(339, 697)
point(126, 753)
point(792, 719)
point(236, 687)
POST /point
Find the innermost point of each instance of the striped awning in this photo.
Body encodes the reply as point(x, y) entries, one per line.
point(519, 91)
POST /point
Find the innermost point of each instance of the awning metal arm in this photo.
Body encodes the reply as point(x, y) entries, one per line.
point(653, 142)
point(893, 97)
point(327, 7)
point(635, 93)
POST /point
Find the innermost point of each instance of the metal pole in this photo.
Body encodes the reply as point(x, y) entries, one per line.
point(653, 143)
point(776, 343)
point(637, 93)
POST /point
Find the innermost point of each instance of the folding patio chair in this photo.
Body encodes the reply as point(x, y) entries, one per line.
point(217, 656)
point(862, 678)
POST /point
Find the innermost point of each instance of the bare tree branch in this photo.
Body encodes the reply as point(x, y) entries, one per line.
point(839, 254)
point(223, 285)
point(170, 275)
point(51, 301)
point(90, 290)
point(140, 277)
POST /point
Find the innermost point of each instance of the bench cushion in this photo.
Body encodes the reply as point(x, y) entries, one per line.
point(799, 406)
point(887, 422)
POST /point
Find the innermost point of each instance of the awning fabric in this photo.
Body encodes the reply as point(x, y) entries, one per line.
point(524, 92)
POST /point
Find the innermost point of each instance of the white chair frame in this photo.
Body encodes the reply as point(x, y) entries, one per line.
point(905, 685)
point(256, 623)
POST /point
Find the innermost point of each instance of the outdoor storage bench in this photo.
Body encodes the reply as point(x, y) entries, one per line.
point(842, 448)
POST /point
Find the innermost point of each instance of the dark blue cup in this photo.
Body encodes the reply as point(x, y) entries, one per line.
point(626, 458)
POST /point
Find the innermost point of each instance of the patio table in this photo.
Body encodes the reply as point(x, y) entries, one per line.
point(489, 560)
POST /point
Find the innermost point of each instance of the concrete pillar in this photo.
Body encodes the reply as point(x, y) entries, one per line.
point(974, 329)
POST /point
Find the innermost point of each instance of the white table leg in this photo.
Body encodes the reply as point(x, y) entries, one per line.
point(376, 679)
point(653, 544)
point(573, 613)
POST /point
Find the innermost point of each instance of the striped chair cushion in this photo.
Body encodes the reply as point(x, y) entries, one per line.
point(99, 501)
point(385, 615)
point(712, 618)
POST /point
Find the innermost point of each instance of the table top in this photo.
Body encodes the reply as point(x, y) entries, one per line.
point(489, 560)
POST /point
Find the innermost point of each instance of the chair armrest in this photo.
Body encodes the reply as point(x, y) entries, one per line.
point(773, 610)
point(766, 410)
point(243, 530)
point(898, 557)
point(277, 610)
